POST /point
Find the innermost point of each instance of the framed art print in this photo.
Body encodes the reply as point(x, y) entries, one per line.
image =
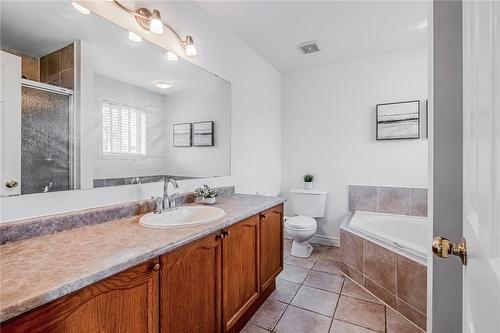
point(203, 134)
point(182, 135)
point(396, 121)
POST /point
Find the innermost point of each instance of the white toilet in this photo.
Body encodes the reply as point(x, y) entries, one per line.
point(307, 204)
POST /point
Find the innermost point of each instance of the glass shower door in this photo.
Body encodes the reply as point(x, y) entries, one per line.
point(46, 145)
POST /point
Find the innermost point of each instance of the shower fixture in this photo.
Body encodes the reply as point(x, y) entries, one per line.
point(151, 21)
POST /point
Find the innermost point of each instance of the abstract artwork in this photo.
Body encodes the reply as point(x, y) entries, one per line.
point(182, 135)
point(398, 120)
point(203, 133)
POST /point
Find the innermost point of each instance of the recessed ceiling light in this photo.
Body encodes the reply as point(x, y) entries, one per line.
point(80, 8)
point(163, 84)
point(172, 57)
point(134, 37)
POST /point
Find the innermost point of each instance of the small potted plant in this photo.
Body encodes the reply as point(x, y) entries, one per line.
point(308, 181)
point(206, 194)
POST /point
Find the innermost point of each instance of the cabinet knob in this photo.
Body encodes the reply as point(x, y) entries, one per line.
point(262, 215)
point(219, 236)
point(11, 184)
point(225, 233)
point(156, 267)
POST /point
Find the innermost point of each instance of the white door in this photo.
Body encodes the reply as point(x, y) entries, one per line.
point(481, 165)
point(10, 123)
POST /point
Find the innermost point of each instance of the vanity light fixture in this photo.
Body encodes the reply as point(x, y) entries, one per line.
point(163, 84)
point(172, 57)
point(156, 25)
point(151, 21)
point(80, 8)
point(134, 37)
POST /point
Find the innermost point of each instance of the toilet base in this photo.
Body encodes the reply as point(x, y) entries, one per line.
point(301, 249)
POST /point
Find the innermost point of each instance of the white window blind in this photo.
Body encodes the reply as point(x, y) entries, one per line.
point(123, 129)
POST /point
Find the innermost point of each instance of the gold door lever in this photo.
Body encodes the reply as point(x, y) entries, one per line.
point(442, 247)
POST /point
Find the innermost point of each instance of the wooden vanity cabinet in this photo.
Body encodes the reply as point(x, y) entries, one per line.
point(126, 303)
point(190, 287)
point(240, 270)
point(211, 285)
point(271, 245)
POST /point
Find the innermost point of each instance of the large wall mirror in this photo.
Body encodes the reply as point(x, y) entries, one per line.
point(85, 105)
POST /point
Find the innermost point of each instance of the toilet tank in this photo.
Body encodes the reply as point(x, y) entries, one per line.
point(308, 202)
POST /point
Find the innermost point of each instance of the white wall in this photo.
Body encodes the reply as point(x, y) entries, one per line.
point(208, 104)
point(329, 128)
point(255, 114)
point(154, 105)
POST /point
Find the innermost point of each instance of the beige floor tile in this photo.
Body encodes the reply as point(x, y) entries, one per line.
point(285, 290)
point(331, 252)
point(251, 328)
point(328, 265)
point(396, 323)
point(361, 313)
point(343, 327)
point(301, 262)
point(268, 314)
point(316, 300)
point(294, 273)
point(352, 289)
point(326, 281)
point(297, 320)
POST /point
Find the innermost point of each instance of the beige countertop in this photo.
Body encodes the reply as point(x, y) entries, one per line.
point(36, 271)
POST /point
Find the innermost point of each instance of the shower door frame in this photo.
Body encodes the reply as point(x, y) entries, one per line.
point(71, 121)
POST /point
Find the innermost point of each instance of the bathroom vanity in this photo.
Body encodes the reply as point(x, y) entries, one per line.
point(119, 276)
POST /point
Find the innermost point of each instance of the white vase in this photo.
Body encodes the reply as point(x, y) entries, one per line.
point(209, 201)
point(308, 185)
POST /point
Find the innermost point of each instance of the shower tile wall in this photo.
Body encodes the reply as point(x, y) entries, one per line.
point(393, 200)
point(57, 68)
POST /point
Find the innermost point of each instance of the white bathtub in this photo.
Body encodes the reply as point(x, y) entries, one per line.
point(403, 234)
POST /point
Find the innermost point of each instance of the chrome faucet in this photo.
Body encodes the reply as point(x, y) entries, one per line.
point(169, 200)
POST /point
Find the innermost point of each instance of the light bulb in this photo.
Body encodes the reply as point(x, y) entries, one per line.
point(190, 48)
point(156, 25)
point(80, 8)
point(134, 37)
point(172, 57)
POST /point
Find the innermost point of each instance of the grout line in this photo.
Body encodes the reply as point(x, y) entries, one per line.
point(336, 306)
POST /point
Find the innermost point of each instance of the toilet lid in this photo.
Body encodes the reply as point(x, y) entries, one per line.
point(301, 222)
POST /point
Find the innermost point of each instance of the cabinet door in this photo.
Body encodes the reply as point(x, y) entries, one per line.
point(271, 245)
point(190, 295)
point(125, 302)
point(241, 277)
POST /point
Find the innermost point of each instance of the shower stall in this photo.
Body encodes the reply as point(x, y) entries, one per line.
point(47, 133)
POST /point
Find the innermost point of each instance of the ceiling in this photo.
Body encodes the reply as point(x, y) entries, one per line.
point(343, 29)
point(113, 55)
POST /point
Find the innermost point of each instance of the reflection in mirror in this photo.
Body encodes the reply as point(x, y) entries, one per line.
point(89, 104)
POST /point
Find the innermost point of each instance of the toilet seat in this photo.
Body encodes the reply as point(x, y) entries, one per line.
point(300, 223)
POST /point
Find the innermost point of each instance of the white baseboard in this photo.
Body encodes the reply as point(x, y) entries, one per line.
point(323, 240)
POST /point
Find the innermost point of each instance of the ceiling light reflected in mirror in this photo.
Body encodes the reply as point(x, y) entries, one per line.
point(172, 57)
point(80, 8)
point(134, 37)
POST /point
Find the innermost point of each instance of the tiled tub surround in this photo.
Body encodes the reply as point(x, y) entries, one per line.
point(393, 200)
point(397, 280)
point(38, 270)
point(38, 226)
point(313, 296)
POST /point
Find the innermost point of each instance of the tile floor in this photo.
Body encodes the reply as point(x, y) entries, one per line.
point(312, 296)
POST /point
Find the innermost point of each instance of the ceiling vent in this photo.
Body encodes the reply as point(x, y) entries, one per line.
point(309, 47)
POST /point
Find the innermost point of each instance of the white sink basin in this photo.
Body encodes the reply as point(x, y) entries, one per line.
point(184, 216)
